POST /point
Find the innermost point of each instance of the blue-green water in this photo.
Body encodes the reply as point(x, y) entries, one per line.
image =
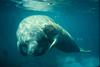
point(79, 17)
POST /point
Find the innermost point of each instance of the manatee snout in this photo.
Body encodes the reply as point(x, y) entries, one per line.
point(35, 48)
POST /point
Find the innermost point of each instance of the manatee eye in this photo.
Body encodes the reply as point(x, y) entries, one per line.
point(23, 48)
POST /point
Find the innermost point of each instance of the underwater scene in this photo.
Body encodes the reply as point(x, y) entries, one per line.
point(49, 33)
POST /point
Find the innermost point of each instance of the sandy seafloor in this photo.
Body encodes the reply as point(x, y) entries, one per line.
point(79, 17)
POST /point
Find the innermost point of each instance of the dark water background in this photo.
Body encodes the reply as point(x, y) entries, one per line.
point(79, 17)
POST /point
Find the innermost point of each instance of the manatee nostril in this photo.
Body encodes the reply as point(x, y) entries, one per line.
point(23, 48)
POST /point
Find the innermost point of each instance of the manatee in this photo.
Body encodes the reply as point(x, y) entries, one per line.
point(37, 34)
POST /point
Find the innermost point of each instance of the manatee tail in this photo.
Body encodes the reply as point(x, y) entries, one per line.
point(64, 42)
point(84, 51)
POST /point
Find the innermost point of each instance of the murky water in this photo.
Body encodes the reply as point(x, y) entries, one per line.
point(79, 17)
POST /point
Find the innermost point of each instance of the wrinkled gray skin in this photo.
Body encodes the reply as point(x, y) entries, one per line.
point(38, 33)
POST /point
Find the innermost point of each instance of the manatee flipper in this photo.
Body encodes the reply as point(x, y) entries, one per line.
point(54, 42)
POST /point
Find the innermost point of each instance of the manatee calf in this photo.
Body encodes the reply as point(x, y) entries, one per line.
point(38, 33)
